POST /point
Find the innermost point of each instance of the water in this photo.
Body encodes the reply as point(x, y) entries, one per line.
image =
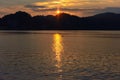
point(59, 55)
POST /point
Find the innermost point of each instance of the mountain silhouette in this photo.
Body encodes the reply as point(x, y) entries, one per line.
point(63, 21)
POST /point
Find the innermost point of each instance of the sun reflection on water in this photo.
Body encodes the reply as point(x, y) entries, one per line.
point(58, 49)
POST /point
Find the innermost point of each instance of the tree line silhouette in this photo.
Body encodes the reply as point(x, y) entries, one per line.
point(63, 21)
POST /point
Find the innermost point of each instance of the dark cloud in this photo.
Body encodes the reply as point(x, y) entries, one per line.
point(108, 9)
point(104, 10)
point(77, 9)
point(111, 9)
point(18, 2)
point(34, 6)
point(45, 8)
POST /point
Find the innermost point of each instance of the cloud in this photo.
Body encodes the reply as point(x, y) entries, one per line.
point(102, 10)
point(111, 9)
point(77, 7)
point(73, 4)
point(18, 2)
point(34, 6)
point(44, 10)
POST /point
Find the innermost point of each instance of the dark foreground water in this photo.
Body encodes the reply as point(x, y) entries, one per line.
point(59, 55)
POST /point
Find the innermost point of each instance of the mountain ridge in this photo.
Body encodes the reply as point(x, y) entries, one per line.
point(63, 21)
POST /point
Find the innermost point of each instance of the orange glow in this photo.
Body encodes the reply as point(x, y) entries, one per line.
point(58, 11)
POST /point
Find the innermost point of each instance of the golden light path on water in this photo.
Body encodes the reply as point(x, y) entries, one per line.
point(58, 49)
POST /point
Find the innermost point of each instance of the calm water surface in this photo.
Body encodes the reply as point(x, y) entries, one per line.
point(59, 55)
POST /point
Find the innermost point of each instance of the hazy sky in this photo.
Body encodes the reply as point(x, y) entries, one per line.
point(44, 7)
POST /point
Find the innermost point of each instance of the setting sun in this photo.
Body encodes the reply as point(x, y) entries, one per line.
point(58, 11)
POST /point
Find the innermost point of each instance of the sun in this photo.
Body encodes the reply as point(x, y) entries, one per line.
point(58, 11)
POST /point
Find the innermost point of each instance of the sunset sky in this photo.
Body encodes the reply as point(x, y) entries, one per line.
point(45, 7)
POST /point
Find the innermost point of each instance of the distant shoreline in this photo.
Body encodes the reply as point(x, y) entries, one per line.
point(24, 21)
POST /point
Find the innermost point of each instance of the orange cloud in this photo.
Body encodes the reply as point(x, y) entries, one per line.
point(77, 7)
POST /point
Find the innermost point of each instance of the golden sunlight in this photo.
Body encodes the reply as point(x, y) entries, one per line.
point(58, 49)
point(58, 11)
